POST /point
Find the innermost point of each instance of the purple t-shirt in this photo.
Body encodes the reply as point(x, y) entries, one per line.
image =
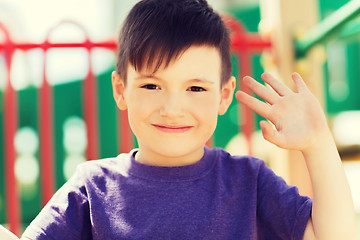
point(219, 197)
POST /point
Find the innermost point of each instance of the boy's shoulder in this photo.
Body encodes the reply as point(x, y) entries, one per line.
point(110, 162)
point(226, 157)
point(103, 167)
point(239, 166)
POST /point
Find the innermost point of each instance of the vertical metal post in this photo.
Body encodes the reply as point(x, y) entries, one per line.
point(90, 103)
point(125, 134)
point(241, 46)
point(246, 112)
point(10, 127)
point(46, 135)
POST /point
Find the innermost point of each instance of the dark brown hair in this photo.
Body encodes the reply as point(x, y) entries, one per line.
point(157, 31)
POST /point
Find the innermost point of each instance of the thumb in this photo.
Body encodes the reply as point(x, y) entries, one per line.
point(269, 133)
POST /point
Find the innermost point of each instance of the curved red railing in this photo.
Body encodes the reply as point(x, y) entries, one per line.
point(45, 120)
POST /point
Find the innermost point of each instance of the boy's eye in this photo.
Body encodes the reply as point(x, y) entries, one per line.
point(196, 89)
point(150, 86)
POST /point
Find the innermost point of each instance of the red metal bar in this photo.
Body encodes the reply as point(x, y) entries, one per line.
point(10, 126)
point(90, 103)
point(240, 38)
point(125, 134)
point(254, 43)
point(110, 44)
point(46, 136)
point(241, 46)
point(244, 45)
point(246, 112)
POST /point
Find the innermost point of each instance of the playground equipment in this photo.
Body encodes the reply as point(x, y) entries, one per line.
point(298, 36)
point(45, 116)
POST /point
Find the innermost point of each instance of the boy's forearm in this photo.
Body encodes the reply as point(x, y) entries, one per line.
point(333, 214)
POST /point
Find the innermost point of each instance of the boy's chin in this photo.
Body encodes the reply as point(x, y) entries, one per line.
point(176, 155)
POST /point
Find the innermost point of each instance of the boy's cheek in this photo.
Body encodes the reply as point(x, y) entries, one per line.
point(208, 106)
point(205, 99)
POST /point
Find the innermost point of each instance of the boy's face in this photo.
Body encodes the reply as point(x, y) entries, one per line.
point(173, 112)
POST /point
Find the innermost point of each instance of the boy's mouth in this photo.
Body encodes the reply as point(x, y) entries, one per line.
point(171, 128)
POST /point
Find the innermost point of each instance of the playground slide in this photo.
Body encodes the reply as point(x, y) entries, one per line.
point(6, 234)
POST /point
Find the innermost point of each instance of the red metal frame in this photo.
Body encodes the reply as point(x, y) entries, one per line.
point(243, 45)
point(126, 142)
point(10, 126)
point(46, 139)
point(45, 121)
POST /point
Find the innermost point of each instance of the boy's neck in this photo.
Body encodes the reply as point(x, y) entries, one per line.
point(154, 159)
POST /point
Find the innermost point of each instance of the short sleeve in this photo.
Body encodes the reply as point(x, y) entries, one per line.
point(282, 212)
point(66, 215)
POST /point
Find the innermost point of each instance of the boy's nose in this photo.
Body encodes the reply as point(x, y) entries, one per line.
point(172, 106)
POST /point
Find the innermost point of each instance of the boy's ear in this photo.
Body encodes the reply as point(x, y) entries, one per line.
point(118, 85)
point(227, 93)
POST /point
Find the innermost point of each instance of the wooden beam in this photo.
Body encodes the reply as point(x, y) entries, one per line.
point(284, 21)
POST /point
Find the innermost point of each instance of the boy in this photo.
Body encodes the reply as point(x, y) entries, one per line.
point(173, 76)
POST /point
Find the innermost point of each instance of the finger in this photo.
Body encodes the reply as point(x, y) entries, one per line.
point(259, 89)
point(270, 134)
point(255, 104)
point(277, 85)
point(299, 82)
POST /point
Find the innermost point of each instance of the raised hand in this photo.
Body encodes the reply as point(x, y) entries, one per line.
point(298, 121)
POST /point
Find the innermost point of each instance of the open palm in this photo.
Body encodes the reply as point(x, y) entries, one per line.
point(297, 117)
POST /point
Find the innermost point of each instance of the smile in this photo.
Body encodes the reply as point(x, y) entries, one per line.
point(172, 129)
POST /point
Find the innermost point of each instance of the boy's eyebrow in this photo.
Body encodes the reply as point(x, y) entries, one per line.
point(198, 80)
point(201, 80)
point(145, 76)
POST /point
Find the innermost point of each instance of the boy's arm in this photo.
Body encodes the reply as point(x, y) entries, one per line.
point(299, 123)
